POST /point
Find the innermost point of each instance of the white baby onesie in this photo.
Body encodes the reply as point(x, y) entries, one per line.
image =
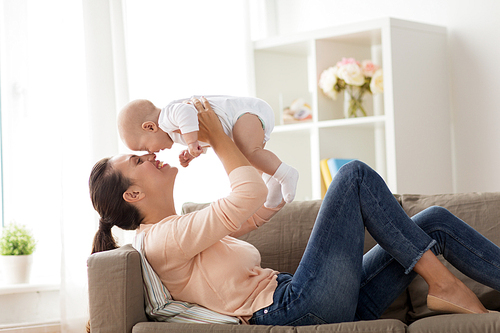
point(184, 117)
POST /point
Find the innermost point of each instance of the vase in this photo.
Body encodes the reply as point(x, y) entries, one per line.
point(353, 101)
point(16, 269)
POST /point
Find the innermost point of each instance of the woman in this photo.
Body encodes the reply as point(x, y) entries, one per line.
point(198, 262)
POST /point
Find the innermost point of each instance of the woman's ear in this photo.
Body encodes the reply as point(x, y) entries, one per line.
point(133, 194)
point(149, 126)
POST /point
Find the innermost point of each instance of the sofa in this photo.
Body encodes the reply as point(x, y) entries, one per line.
point(116, 296)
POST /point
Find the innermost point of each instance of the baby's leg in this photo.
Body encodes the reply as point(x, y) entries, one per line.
point(248, 135)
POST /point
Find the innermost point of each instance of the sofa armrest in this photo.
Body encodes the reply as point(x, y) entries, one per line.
point(116, 296)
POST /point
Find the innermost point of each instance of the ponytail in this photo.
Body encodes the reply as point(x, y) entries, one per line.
point(106, 187)
point(103, 239)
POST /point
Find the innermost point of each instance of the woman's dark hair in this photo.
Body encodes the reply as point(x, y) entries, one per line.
point(107, 186)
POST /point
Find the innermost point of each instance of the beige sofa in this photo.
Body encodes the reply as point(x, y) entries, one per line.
point(117, 300)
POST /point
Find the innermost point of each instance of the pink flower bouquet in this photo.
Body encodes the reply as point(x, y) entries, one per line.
point(355, 78)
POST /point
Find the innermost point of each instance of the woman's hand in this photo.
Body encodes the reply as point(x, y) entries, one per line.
point(209, 123)
point(211, 131)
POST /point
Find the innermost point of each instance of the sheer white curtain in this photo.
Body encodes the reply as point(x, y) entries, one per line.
point(99, 139)
point(46, 148)
point(39, 81)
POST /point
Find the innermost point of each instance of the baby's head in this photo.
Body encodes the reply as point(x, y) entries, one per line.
point(138, 127)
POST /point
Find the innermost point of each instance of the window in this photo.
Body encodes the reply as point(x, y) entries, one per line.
point(42, 88)
point(174, 50)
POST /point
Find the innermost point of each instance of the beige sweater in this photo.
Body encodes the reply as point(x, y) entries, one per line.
point(200, 262)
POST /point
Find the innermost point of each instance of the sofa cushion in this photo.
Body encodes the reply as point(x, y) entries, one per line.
point(458, 323)
point(372, 326)
point(368, 326)
point(210, 328)
point(160, 305)
point(481, 211)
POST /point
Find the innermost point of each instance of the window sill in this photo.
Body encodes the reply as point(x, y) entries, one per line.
point(49, 327)
point(7, 289)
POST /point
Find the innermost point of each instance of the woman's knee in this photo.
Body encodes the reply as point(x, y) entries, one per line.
point(354, 167)
point(434, 217)
point(438, 212)
point(352, 171)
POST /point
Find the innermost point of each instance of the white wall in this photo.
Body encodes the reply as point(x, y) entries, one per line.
point(474, 46)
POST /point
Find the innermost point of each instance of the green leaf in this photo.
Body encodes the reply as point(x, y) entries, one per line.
point(16, 240)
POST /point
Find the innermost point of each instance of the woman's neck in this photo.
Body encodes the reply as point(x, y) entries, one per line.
point(157, 212)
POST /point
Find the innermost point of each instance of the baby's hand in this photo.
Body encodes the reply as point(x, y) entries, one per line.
point(195, 149)
point(185, 157)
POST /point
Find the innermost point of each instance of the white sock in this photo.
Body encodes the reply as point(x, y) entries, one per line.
point(288, 177)
point(274, 196)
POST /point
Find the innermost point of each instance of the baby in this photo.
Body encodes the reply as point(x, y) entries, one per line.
point(248, 121)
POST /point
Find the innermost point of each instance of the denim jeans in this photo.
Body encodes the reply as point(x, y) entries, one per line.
point(334, 282)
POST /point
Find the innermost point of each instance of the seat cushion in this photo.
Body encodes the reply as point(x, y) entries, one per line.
point(371, 326)
point(458, 323)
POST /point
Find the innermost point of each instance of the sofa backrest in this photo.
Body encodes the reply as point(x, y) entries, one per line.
point(282, 241)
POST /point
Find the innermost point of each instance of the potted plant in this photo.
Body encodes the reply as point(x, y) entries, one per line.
point(16, 253)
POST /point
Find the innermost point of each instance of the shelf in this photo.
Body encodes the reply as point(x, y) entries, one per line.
point(294, 127)
point(367, 32)
point(370, 121)
point(406, 127)
point(6, 289)
point(353, 122)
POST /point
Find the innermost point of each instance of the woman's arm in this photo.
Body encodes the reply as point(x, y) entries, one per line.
point(263, 215)
point(231, 157)
point(211, 131)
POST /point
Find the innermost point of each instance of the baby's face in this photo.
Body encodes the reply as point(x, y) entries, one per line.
point(150, 142)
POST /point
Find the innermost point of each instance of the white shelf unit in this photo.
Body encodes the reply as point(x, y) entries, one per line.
point(406, 136)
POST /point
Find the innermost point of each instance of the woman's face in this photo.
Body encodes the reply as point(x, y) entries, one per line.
point(152, 176)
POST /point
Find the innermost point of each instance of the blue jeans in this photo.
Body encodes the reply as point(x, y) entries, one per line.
point(334, 282)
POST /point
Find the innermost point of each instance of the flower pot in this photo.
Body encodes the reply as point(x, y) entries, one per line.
point(16, 269)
